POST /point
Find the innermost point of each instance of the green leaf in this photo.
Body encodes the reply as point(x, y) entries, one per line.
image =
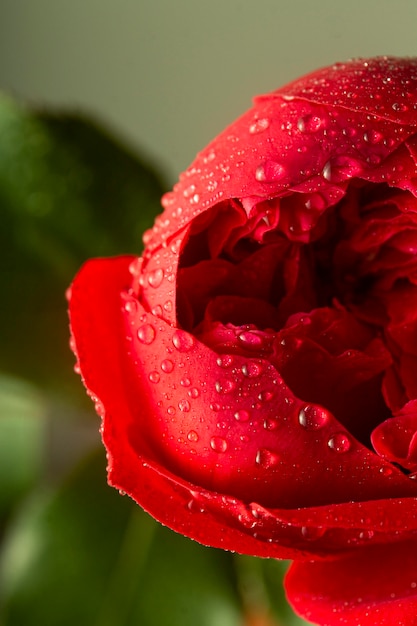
point(22, 440)
point(87, 556)
point(68, 191)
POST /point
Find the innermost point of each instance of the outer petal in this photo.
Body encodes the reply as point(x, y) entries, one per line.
point(368, 105)
point(374, 587)
point(140, 463)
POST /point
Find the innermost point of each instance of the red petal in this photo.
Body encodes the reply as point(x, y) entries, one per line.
point(287, 141)
point(376, 586)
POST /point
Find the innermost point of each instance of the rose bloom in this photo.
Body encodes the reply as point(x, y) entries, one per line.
point(256, 367)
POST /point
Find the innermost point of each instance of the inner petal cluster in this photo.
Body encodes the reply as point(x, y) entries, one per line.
point(325, 290)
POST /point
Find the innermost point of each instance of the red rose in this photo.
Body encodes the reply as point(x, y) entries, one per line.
point(256, 368)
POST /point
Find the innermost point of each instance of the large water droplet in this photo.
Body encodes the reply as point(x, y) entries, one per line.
point(154, 377)
point(242, 415)
point(251, 369)
point(259, 126)
point(224, 385)
point(192, 436)
point(146, 334)
point(155, 277)
point(340, 168)
point(313, 417)
point(251, 339)
point(400, 107)
point(167, 366)
point(182, 340)
point(311, 533)
point(131, 306)
point(184, 406)
point(309, 124)
point(340, 442)
point(224, 360)
point(266, 458)
point(218, 444)
point(269, 172)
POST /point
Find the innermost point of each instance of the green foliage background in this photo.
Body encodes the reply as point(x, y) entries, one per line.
point(72, 550)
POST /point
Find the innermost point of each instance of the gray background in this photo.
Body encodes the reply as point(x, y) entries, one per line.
point(168, 75)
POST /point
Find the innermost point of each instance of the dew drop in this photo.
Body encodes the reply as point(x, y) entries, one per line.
point(185, 382)
point(340, 168)
point(184, 406)
point(182, 340)
point(270, 424)
point(386, 470)
point(224, 386)
point(251, 369)
point(154, 377)
point(193, 392)
point(218, 444)
point(224, 360)
point(339, 443)
point(259, 126)
point(251, 339)
point(400, 107)
point(192, 436)
point(167, 366)
point(155, 278)
point(242, 415)
point(309, 124)
point(131, 306)
point(373, 136)
point(146, 334)
point(313, 417)
point(265, 396)
point(171, 410)
point(266, 459)
point(311, 533)
point(269, 172)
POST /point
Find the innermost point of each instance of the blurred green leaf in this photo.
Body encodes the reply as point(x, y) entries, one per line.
point(261, 583)
point(68, 191)
point(86, 556)
point(22, 439)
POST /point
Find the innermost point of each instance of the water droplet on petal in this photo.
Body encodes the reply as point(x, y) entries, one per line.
point(224, 360)
point(193, 392)
point(340, 442)
point(251, 369)
point(311, 533)
point(270, 424)
point(184, 406)
point(386, 470)
point(171, 410)
point(185, 382)
point(400, 107)
point(182, 340)
point(373, 136)
point(167, 366)
point(259, 126)
point(313, 417)
point(218, 444)
point(269, 172)
point(146, 334)
point(251, 339)
point(154, 377)
point(131, 306)
point(266, 459)
point(155, 278)
point(224, 386)
point(242, 415)
point(309, 124)
point(192, 436)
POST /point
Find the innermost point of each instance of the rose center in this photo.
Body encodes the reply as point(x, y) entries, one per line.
point(324, 288)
